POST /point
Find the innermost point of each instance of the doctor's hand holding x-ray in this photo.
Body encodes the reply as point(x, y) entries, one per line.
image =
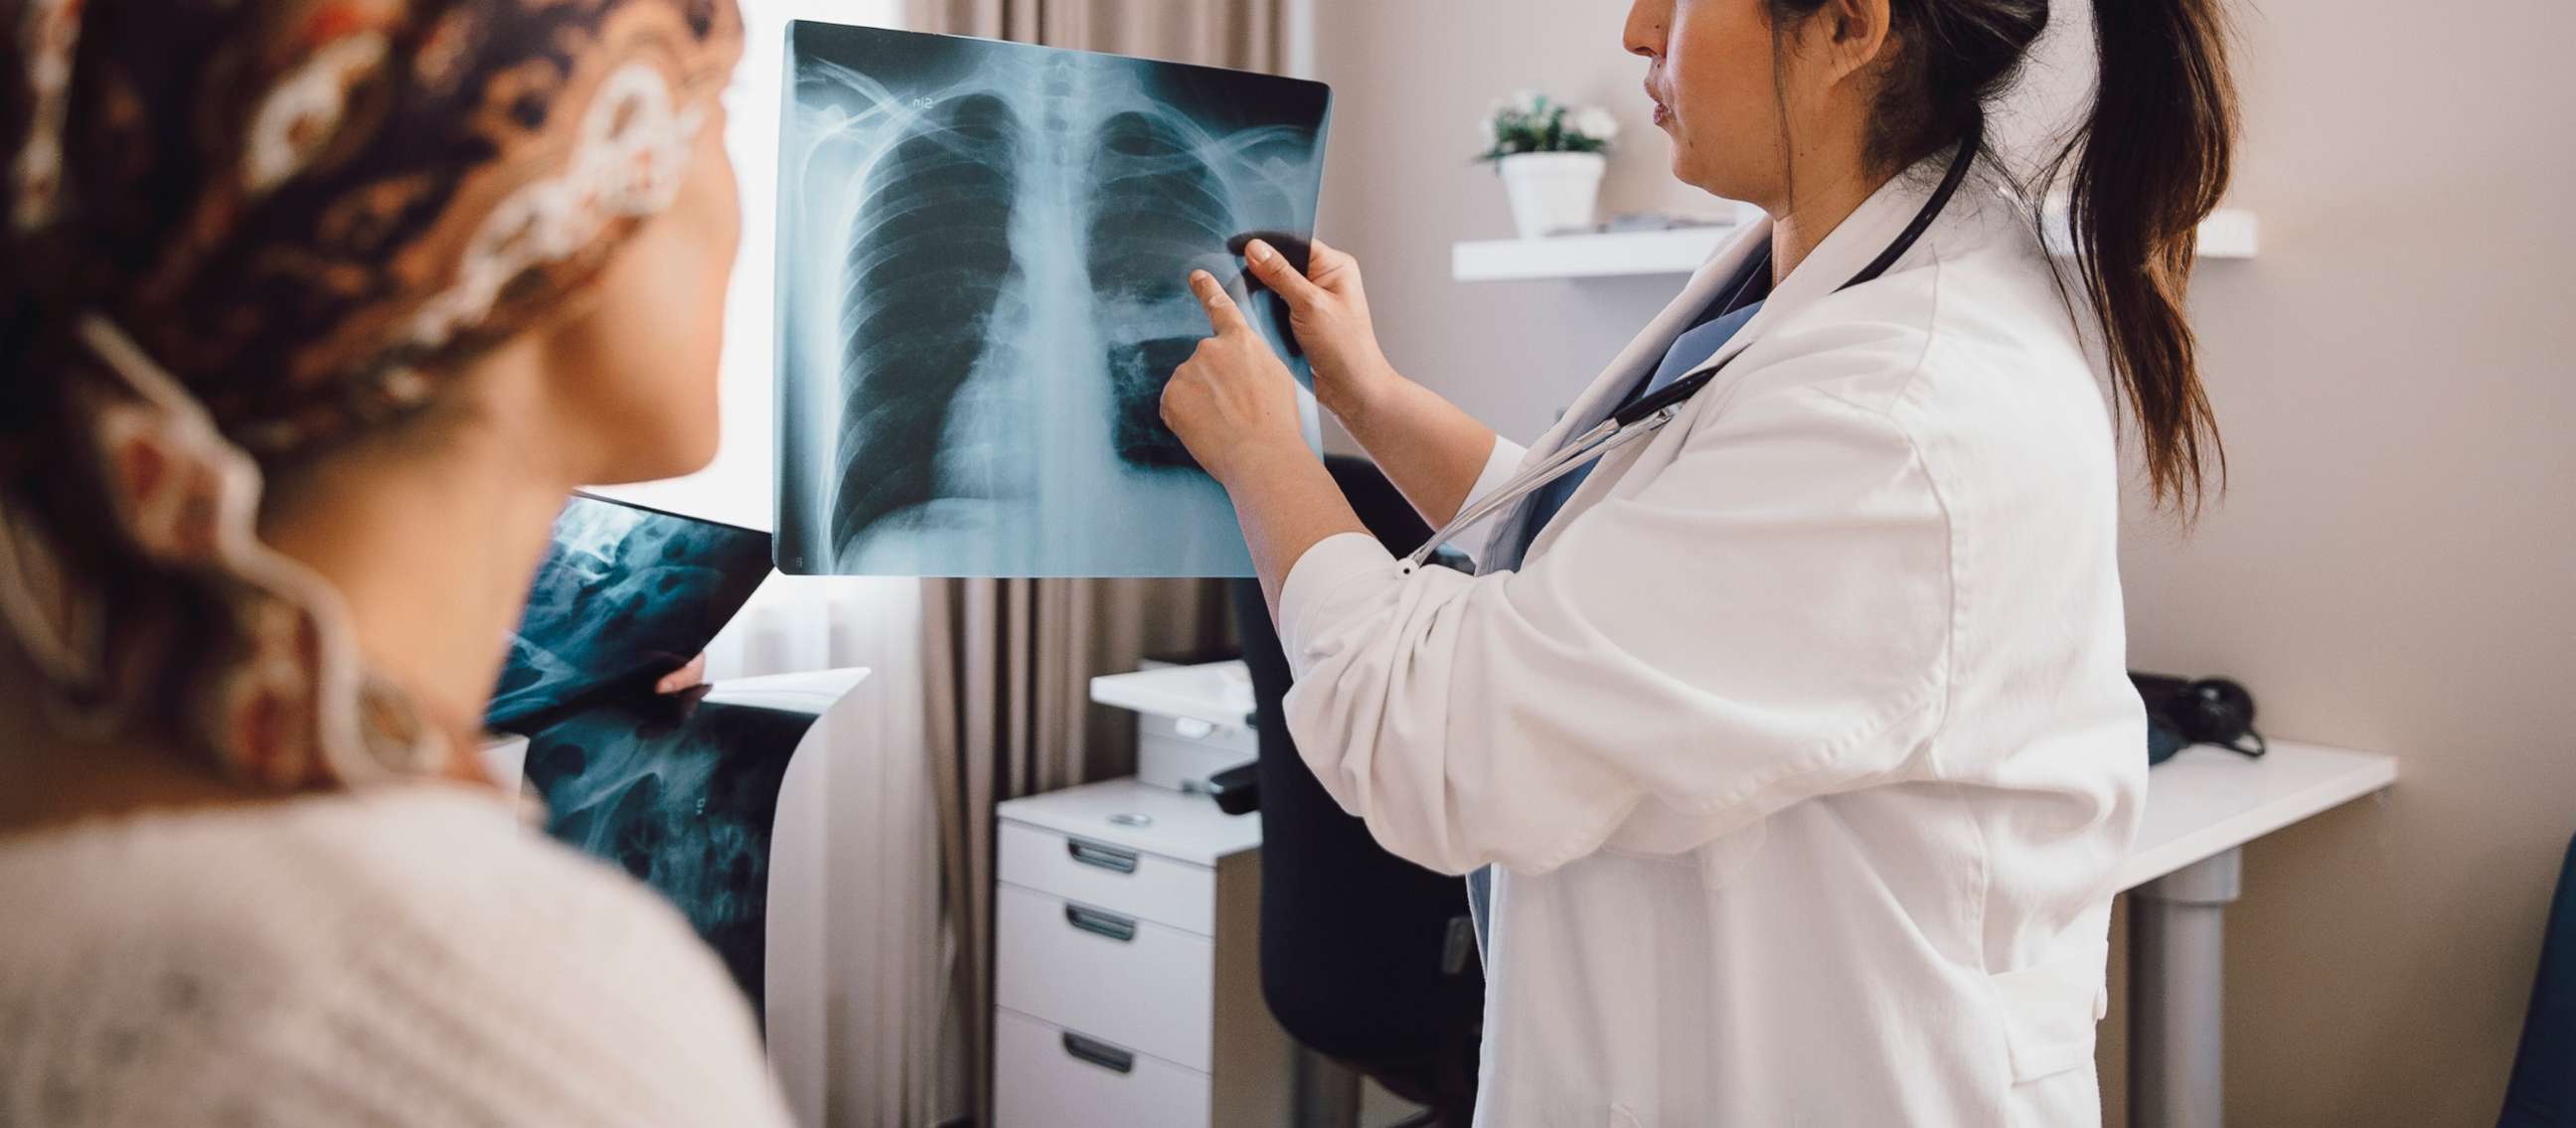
point(1235, 405)
point(1794, 733)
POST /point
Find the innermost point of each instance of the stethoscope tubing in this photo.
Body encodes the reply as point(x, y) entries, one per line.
point(1597, 443)
point(1651, 413)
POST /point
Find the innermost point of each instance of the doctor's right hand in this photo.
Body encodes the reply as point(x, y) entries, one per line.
point(1328, 310)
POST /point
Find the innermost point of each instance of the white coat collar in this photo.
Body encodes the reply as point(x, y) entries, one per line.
point(1851, 246)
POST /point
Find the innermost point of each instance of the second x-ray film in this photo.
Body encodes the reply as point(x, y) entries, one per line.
point(984, 252)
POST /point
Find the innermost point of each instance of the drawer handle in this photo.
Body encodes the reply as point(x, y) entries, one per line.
point(1105, 857)
point(1098, 923)
point(1101, 1054)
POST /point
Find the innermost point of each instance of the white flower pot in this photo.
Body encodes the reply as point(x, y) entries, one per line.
point(1553, 193)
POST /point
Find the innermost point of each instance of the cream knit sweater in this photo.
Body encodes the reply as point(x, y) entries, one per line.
point(410, 956)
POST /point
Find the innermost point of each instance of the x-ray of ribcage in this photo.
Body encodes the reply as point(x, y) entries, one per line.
point(984, 253)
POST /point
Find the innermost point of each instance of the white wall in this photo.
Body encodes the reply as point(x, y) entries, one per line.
point(2395, 567)
point(1411, 81)
point(739, 488)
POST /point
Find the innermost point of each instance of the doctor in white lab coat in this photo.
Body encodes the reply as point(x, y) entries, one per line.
point(1797, 735)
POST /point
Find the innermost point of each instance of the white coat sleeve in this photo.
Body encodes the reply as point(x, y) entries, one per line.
point(1500, 465)
point(1767, 620)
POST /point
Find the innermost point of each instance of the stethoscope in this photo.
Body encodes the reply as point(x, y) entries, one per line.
point(1650, 414)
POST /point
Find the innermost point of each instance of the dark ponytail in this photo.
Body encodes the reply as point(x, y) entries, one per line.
point(2151, 161)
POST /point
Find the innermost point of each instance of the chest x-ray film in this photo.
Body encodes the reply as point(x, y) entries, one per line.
point(984, 251)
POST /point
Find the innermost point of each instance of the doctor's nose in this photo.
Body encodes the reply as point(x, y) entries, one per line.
point(1649, 26)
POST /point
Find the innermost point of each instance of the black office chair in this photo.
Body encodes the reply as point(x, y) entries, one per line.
point(1365, 957)
point(2542, 1093)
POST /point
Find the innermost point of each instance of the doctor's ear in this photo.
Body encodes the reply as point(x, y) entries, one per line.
point(1848, 36)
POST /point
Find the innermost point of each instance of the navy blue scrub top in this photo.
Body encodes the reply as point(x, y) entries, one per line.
point(1716, 325)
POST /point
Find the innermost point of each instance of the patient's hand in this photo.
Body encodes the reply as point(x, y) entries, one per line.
point(1328, 310)
point(684, 679)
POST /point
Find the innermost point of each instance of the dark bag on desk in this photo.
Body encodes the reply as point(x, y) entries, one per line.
point(2182, 712)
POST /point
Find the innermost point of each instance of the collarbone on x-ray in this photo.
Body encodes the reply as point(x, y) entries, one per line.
point(984, 254)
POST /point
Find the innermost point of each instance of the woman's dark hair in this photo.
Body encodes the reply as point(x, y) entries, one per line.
point(2151, 161)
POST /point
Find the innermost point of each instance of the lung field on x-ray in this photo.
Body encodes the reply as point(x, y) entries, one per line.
point(984, 253)
point(1158, 210)
point(930, 262)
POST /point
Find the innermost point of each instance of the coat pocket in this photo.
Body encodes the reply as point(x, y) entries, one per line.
point(2050, 1009)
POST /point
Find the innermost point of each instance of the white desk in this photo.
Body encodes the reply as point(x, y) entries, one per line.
point(2202, 806)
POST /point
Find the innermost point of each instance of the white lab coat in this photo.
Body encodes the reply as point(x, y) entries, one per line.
point(1802, 740)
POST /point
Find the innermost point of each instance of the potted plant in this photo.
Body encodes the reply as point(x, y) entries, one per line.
point(1551, 157)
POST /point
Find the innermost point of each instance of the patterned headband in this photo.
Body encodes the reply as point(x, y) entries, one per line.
point(234, 230)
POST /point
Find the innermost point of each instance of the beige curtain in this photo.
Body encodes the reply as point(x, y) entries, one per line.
point(1010, 662)
point(1243, 34)
point(1008, 667)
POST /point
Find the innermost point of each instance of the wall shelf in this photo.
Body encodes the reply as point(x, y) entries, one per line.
point(1627, 254)
point(2227, 234)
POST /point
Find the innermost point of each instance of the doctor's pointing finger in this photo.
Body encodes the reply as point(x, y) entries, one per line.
point(1233, 400)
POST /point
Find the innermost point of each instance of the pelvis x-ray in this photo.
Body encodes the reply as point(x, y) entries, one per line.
point(624, 595)
point(984, 253)
point(683, 792)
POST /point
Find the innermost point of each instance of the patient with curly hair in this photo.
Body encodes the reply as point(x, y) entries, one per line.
point(312, 313)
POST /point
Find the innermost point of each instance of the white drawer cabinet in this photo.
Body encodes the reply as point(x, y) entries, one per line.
point(1045, 1074)
point(1155, 887)
point(1127, 974)
point(1147, 987)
